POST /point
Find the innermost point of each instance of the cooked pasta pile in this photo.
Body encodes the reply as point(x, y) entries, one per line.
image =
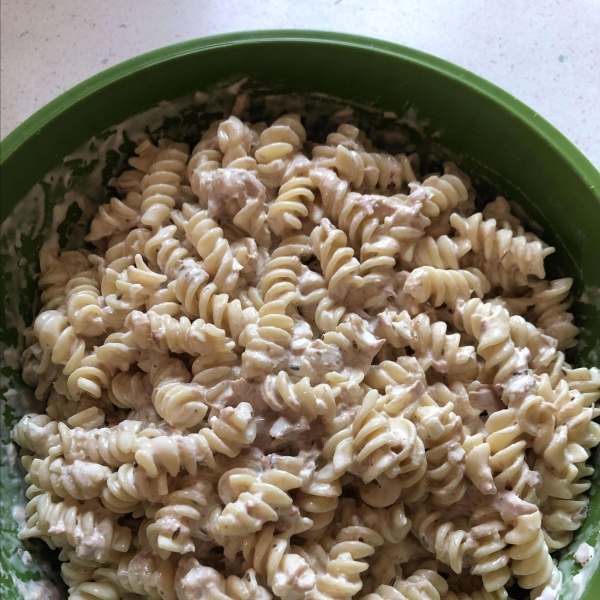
point(305, 371)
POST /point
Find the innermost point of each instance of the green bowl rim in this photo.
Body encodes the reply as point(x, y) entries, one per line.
point(551, 136)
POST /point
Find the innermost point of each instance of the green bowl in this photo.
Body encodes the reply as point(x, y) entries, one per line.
point(490, 133)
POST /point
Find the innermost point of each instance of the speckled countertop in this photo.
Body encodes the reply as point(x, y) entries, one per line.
point(544, 52)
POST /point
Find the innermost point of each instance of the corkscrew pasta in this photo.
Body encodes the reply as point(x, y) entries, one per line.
point(303, 370)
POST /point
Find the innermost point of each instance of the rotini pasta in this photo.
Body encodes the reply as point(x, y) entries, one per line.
point(91, 528)
point(445, 287)
point(301, 370)
point(340, 268)
point(195, 580)
point(228, 434)
point(161, 186)
point(524, 253)
point(366, 170)
point(276, 147)
point(243, 488)
point(287, 573)
point(165, 333)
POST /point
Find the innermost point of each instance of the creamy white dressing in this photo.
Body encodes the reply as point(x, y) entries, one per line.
point(37, 590)
point(591, 296)
point(571, 563)
point(25, 556)
point(584, 553)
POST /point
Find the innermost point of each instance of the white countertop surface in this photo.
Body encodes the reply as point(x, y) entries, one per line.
point(544, 52)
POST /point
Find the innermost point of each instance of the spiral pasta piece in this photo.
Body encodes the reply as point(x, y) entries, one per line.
point(380, 443)
point(561, 518)
point(228, 433)
point(531, 561)
point(90, 377)
point(276, 146)
point(74, 569)
point(197, 581)
point(490, 556)
point(58, 337)
point(175, 399)
point(291, 205)
point(165, 333)
point(559, 465)
point(346, 561)
point(216, 372)
point(81, 480)
point(423, 584)
point(242, 196)
point(402, 382)
point(94, 372)
point(144, 573)
point(91, 528)
point(315, 302)
point(235, 140)
point(146, 151)
point(129, 486)
point(490, 325)
point(448, 542)
point(432, 345)
point(131, 389)
point(109, 446)
point(206, 158)
point(522, 253)
point(172, 529)
point(226, 314)
point(83, 307)
point(365, 170)
point(319, 499)
point(200, 298)
point(444, 192)
point(541, 347)
point(166, 250)
point(445, 287)
point(356, 342)
point(391, 522)
point(161, 187)
point(337, 259)
point(208, 239)
point(56, 269)
point(129, 289)
point(442, 434)
point(551, 301)
point(116, 216)
point(441, 253)
point(254, 499)
point(280, 393)
point(287, 573)
point(38, 434)
point(123, 247)
point(507, 457)
point(267, 340)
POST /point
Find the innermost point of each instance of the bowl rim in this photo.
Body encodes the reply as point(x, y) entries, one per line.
point(547, 132)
